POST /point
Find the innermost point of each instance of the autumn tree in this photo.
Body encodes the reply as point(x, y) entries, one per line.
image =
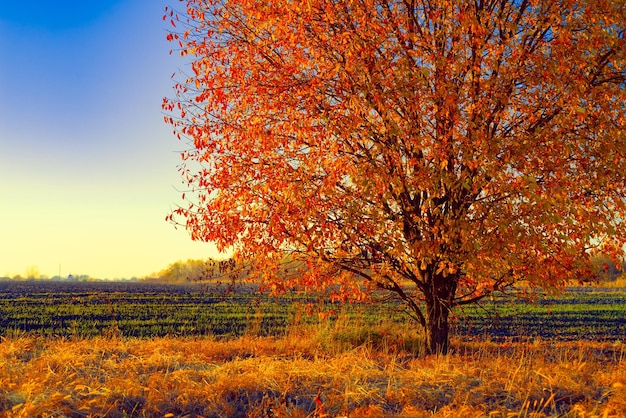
point(184, 271)
point(605, 269)
point(436, 150)
point(202, 271)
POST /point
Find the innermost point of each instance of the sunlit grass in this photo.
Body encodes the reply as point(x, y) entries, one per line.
point(619, 283)
point(332, 370)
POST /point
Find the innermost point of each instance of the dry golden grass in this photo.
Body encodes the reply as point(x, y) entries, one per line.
point(305, 375)
point(620, 283)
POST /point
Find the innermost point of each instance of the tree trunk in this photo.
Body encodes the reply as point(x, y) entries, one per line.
point(437, 327)
point(438, 304)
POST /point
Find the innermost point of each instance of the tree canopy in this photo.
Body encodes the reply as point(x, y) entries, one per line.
point(438, 150)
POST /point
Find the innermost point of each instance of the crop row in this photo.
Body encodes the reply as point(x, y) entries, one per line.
point(140, 310)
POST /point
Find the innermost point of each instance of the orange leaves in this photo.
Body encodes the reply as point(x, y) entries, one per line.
point(434, 142)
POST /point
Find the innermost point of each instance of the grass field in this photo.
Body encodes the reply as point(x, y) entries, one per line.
point(96, 309)
point(118, 351)
point(305, 375)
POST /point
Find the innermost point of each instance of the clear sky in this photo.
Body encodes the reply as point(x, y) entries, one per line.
point(87, 165)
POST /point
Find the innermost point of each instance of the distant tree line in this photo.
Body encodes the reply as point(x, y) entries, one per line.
point(44, 277)
point(198, 271)
point(605, 269)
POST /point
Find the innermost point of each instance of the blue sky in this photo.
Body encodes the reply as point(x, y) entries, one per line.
point(87, 166)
